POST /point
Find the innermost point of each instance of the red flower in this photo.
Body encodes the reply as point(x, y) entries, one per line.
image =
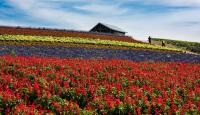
point(36, 86)
point(117, 101)
point(123, 83)
point(159, 100)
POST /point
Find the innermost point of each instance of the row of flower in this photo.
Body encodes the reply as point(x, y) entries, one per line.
point(22, 38)
point(32, 85)
point(63, 33)
point(88, 53)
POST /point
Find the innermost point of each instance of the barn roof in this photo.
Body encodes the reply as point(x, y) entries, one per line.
point(112, 27)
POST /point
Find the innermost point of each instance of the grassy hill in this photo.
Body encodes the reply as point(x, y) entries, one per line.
point(184, 45)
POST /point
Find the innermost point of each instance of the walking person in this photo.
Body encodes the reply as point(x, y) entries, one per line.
point(149, 39)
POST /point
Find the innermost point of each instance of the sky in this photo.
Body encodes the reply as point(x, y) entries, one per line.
point(170, 19)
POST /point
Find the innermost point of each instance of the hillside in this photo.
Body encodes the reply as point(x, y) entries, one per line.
point(185, 45)
point(80, 75)
point(62, 33)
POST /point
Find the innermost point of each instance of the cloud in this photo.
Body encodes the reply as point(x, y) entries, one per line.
point(176, 19)
point(180, 2)
point(10, 23)
point(166, 2)
point(45, 12)
point(105, 10)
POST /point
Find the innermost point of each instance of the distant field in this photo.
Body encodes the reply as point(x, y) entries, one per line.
point(63, 33)
point(185, 45)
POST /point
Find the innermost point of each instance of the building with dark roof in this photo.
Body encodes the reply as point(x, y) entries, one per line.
point(108, 29)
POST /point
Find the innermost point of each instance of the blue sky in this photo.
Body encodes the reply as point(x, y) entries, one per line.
point(175, 19)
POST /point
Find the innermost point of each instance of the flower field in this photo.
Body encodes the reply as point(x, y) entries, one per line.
point(77, 40)
point(81, 75)
point(36, 85)
point(76, 51)
point(63, 33)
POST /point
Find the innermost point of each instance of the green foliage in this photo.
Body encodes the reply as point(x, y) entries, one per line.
point(86, 112)
point(190, 46)
point(9, 70)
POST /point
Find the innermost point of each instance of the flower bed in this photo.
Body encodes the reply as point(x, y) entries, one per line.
point(88, 53)
point(31, 85)
point(63, 33)
point(22, 38)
